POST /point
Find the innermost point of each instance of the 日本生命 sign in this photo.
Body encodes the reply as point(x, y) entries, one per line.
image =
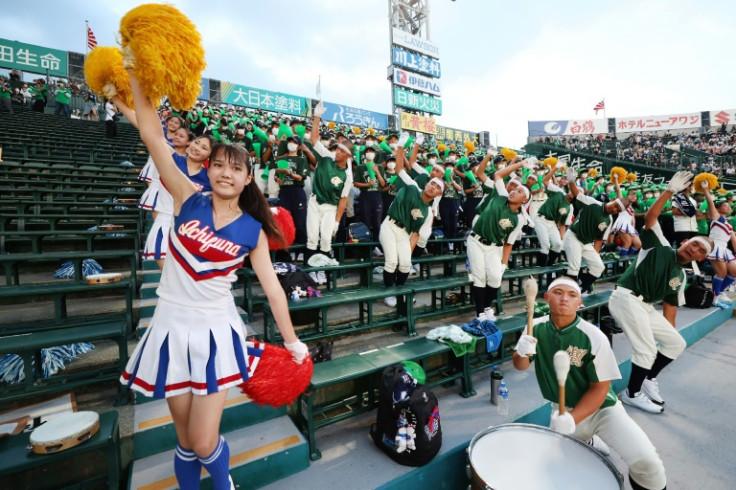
point(353, 116)
point(415, 43)
point(566, 128)
point(418, 102)
point(658, 123)
point(415, 62)
point(443, 133)
point(32, 58)
point(233, 93)
point(416, 82)
point(415, 122)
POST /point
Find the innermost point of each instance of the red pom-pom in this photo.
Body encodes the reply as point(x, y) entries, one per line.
point(278, 380)
point(285, 223)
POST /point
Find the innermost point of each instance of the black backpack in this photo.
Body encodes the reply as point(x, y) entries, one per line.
point(408, 431)
point(300, 282)
point(696, 294)
point(359, 232)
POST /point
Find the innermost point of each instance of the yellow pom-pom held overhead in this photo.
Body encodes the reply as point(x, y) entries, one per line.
point(550, 162)
point(331, 125)
point(356, 130)
point(167, 53)
point(620, 172)
point(441, 147)
point(370, 131)
point(105, 75)
point(631, 177)
point(711, 179)
point(593, 172)
point(508, 153)
point(469, 147)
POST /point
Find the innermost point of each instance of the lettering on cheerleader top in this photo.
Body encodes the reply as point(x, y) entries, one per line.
point(206, 236)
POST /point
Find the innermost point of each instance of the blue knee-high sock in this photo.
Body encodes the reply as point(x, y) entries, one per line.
point(217, 465)
point(633, 250)
point(187, 468)
point(727, 282)
point(624, 252)
point(717, 285)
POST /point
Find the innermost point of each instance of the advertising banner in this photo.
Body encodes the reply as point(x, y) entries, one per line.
point(354, 116)
point(658, 123)
point(417, 102)
point(415, 43)
point(32, 58)
point(567, 128)
point(204, 89)
point(443, 133)
point(415, 122)
point(415, 62)
point(416, 82)
point(264, 99)
point(722, 116)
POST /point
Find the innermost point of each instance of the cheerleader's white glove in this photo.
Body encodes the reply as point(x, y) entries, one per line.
point(492, 152)
point(564, 424)
point(526, 346)
point(403, 139)
point(298, 349)
point(560, 164)
point(419, 139)
point(319, 110)
point(571, 174)
point(128, 58)
point(530, 163)
point(109, 91)
point(335, 228)
point(679, 181)
point(704, 185)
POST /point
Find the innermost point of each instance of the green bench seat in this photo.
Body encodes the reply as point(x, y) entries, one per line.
point(119, 239)
point(327, 400)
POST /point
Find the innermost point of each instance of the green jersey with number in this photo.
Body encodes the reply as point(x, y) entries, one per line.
point(409, 209)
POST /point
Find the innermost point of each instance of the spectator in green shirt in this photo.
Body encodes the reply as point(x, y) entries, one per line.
point(63, 97)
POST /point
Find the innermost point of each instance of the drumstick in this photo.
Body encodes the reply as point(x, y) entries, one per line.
point(530, 291)
point(562, 367)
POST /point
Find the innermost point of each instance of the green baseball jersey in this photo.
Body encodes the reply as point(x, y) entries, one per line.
point(328, 181)
point(703, 226)
point(420, 178)
point(555, 208)
point(591, 360)
point(297, 165)
point(498, 221)
point(63, 95)
point(489, 192)
point(467, 184)
point(450, 192)
point(656, 274)
point(363, 175)
point(409, 209)
point(591, 222)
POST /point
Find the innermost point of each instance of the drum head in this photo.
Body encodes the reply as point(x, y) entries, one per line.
point(103, 278)
point(64, 432)
point(531, 456)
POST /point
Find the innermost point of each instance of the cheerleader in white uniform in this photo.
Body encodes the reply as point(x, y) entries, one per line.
point(721, 258)
point(194, 349)
point(157, 198)
point(624, 227)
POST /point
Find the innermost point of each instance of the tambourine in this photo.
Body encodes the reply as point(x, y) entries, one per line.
point(103, 278)
point(127, 201)
point(110, 227)
point(64, 432)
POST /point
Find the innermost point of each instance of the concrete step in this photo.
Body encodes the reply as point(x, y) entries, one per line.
point(150, 265)
point(151, 275)
point(153, 429)
point(148, 290)
point(260, 454)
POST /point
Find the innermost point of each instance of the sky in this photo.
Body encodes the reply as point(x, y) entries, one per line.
point(503, 63)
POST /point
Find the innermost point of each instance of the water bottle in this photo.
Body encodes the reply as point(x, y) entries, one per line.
point(503, 400)
point(496, 378)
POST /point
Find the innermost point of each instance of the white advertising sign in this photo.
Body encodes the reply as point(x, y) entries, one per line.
point(415, 43)
point(416, 82)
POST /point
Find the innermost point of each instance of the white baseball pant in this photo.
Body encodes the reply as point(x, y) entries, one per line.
point(320, 223)
point(576, 252)
point(485, 263)
point(548, 234)
point(396, 247)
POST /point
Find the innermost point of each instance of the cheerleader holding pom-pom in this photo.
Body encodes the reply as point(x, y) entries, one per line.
point(624, 226)
point(194, 349)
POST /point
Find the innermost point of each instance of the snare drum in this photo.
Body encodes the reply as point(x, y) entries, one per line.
point(64, 432)
point(515, 456)
point(103, 278)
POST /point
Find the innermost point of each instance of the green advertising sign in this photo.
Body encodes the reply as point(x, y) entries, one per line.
point(233, 93)
point(418, 102)
point(32, 58)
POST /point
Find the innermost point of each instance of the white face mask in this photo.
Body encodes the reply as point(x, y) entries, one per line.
point(241, 131)
point(647, 196)
point(393, 145)
point(432, 161)
point(307, 136)
point(369, 144)
point(271, 137)
point(451, 158)
point(656, 194)
point(324, 143)
point(292, 146)
point(370, 156)
point(501, 166)
point(609, 188)
point(275, 131)
point(391, 165)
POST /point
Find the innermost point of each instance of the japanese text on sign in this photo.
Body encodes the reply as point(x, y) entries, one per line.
point(32, 58)
point(415, 122)
point(415, 62)
point(443, 133)
point(353, 116)
point(658, 123)
point(417, 102)
point(415, 43)
point(263, 99)
point(564, 128)
point(416, 82)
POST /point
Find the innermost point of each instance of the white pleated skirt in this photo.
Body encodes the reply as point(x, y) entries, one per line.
point(191, 349)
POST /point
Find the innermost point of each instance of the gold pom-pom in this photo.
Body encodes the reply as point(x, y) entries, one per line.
point(370, 131)
point(452, 146)
point(167, 53)
point(104, 66)
point(356, 130)
point(722, 191)
point(711, 179)
point(621, 172)
point(331, 125)
point(631, 177)
point(469, 147)
point(441, 147)
point(382, 138)
point(593, 172)
point(508, 153)
point(550, 162)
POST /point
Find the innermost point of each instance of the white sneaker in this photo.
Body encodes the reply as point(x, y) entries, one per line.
point(377, 252)
point(489, 314)
point(322, 277)
point(390, 301)
point(450, 246)
point(597, 443)
point(414, 270)
point(723, 298)
point(314, 277)
point(300, 257)
point(642, 402)
point(232, 485)
point(650, 387)
point(482, 317)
